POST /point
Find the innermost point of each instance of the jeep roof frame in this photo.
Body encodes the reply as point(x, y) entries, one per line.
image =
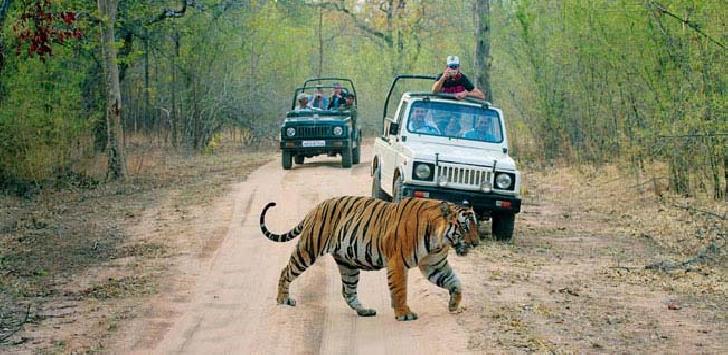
point(351, 83)
point(425, 94)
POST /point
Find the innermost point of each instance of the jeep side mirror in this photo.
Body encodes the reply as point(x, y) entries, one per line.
point(393, 128)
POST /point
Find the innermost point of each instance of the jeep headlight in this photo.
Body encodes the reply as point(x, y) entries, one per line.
point(290, 131)
point(422, 171)
point(503, 181)
point(338, 131)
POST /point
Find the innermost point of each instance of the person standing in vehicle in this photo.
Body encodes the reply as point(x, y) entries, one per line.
point(337, 98)
point(320, 101)
point(452, 81)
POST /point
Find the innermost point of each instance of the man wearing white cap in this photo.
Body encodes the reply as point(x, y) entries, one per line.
point(452, 81)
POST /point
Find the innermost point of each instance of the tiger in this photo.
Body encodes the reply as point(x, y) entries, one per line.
point(364, 233)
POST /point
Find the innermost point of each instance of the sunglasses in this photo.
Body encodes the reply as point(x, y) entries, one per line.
point(454, 66)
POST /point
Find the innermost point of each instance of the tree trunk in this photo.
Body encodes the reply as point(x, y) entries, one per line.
point(116, 169)
point(482, 47)
point(320, 43)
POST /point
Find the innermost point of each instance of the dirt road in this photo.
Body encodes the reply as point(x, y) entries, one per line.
point(573, 281)
point(232, 308)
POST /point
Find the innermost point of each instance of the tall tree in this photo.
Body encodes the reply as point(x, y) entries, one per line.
point(116, 161)
point(482, 46)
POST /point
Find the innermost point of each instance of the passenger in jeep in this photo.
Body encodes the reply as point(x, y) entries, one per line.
point(482, 131)
point(418, 122)
point(302, 102)
point(337, 98)
point(452, 81)
point(320, 101)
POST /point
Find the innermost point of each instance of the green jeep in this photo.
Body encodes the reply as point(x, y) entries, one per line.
point(306, 133)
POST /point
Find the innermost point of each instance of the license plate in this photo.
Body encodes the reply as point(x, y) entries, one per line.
point(313, 144)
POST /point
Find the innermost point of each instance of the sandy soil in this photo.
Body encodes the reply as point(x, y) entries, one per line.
point(566, 284)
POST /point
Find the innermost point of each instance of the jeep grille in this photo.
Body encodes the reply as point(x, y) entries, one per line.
point(464, 177)
point(317, 131)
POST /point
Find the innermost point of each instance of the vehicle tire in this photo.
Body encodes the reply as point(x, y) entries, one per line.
point(286, 160)
point(346, 157)
point(377, 191)
point(356, 158)
point(503, 224)
point(397, 191)
point(299, 159)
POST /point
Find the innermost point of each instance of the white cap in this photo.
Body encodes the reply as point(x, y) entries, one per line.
point(453, 60)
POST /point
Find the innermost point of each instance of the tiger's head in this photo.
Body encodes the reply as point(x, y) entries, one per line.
point(462, 230)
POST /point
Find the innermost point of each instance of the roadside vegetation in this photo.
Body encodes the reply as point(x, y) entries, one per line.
point(112, 111)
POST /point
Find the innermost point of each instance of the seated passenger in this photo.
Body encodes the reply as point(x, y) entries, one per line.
point(348, 102)
point(419, 124)
point(482, 131)
point(337, 98)
point(453, 127)
point(302, 102)
point(320, 101)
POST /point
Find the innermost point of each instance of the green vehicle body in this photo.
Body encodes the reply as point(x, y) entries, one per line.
point(316, 132)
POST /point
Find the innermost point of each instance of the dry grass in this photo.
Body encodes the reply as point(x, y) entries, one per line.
point(69, 255)
point(575, 280)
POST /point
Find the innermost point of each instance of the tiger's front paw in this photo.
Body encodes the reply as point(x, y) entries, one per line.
point(407, 316)
point(287, 301)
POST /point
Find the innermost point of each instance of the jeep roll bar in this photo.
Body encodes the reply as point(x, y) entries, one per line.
point(394, 82)
point(351, 83)
point(426, 95)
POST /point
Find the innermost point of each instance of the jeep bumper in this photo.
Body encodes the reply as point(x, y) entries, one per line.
point(315, 145)
point(484, 204)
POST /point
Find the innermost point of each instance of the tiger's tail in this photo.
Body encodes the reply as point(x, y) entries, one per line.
point(293, 233)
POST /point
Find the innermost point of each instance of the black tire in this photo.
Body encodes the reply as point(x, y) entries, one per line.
point(377, 191)
point(286, 160)
point(346, 157)
point(503, 226)
point(299, 159)
point(397, 191)
point(357, 155)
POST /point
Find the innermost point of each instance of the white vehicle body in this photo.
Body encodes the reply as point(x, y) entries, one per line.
point(465, 170)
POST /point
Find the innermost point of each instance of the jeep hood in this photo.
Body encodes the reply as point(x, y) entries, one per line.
point(299, 121)
point(463, 154)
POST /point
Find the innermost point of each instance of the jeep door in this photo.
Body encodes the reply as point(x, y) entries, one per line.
point(390, 156)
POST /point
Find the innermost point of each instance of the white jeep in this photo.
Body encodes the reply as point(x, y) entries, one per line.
point(436, 146)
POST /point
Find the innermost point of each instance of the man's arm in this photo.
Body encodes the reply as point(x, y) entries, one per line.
point(437, 86)
point(476, 93)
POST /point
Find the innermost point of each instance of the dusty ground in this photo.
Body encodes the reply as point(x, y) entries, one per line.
point(573, 280)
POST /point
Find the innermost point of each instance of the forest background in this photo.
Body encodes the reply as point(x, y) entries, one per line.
point(639, 83)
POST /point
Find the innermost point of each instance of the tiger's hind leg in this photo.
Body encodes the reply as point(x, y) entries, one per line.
point(298, 263)
point(349, 282)
point(436, 269)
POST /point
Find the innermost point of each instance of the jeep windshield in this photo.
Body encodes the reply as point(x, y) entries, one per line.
point(455, 121)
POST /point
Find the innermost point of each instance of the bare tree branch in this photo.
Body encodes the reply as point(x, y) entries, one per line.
point(171, 13)
point(661, 8)
point(341, 7)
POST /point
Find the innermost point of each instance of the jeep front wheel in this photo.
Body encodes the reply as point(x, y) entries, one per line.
point(357, 154)
point(346, 157)
point(377, 191)
point(503, 224)
point(286, 160)
point(299, 159)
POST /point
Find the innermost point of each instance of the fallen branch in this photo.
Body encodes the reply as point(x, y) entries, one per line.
point(690, 208)
point(20, 326)
point(704, 255)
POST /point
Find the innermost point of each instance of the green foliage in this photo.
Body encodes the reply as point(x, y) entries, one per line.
point(584, 81)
